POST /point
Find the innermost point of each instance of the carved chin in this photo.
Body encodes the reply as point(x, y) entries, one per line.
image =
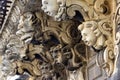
point(51, 13)
point(88, 43)
point(98, 47)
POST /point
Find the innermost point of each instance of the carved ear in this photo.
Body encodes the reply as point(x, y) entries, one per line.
point(61, 2)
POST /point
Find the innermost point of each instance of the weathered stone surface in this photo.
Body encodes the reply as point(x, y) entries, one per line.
point(61, 40)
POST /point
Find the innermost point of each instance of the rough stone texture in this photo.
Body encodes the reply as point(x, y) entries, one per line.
point(61, 40)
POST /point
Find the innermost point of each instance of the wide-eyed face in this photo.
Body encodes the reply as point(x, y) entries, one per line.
point(26, 28)
point(50, 7)
point(88, 37)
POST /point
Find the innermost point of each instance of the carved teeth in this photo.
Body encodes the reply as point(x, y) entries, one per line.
point(7, 51)
point(27, 36)
point(19, 32)
point(28, 40)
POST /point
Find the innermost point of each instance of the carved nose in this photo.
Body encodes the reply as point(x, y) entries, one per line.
point(24, 56)
point(19, 32)
point(43, 7)
point(83, 38)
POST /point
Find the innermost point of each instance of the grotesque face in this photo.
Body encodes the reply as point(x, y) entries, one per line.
point(88, 37)
point(26, 28)
point(50, 7)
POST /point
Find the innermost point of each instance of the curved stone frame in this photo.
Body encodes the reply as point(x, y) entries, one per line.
point(66, 45)
point(101, 13)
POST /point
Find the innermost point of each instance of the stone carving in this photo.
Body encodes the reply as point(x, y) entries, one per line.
point(9, 55)
point(101, 7)
point(63, 9)
point(117, 39)
point(44, 49)
point(98, 37)
point(57, 10)
point(26, 28)
point(56, 51)
point(91, 34)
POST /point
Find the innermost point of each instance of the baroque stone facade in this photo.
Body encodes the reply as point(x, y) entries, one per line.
point(60, 39)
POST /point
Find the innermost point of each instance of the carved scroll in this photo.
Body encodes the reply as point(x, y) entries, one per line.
point(50, 47)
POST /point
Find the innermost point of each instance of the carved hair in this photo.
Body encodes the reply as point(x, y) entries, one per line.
point(31, 24)
point(61, 2)
point(92, 25)
point(61, 11)
point(31, 16)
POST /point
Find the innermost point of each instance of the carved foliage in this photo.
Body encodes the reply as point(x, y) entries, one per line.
point(50, 50)
point(54, 50)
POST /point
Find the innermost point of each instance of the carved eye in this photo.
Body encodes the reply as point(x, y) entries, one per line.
point(22, 2)
point(45, 2)
point(89, 25)
point(59, 3)
point(84, 34)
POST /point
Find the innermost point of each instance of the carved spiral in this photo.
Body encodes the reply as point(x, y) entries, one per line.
point(73, 33)
point(71, 11)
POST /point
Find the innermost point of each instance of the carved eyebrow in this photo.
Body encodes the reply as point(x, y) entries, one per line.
point(89, 25)
point(84, 34)
point(45, 2)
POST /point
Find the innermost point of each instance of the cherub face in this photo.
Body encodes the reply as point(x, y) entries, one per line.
point(50, 7)
point(88, 37)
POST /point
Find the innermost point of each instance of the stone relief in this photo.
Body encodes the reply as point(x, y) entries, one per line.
point(57, 10)
point(55, 55)
point(117, 38)
point(49, 51)
point(44, 48)
point(96, 29)
point(98, 38)
point(91, 34)
point(26, 27)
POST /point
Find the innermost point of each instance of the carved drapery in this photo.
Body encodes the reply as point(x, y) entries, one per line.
point(47, 39)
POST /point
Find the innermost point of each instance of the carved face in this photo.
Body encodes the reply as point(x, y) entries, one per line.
point(26, 28)
point(50, 7)
point(88, 37)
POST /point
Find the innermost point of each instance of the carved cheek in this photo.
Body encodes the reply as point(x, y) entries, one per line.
point(43, 7)
point(53, 7)
point(83, 38)
point(91, 38)
point(90, 41)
